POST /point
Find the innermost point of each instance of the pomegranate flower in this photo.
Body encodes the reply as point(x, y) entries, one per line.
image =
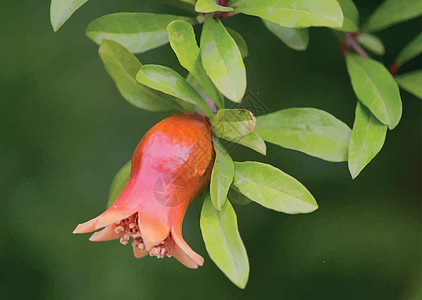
point(170, 166)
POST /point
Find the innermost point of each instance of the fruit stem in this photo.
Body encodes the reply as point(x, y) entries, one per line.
point(211, 104)
point(350, 42)
point(393, 68)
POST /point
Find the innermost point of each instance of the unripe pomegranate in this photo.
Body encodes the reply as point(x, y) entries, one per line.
point(170, 167)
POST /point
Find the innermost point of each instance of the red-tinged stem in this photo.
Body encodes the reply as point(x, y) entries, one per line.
point(351, 43)
point(344, 49)
point(393, 68)
point(223, 15)
point(211, 104)
point(355, 34)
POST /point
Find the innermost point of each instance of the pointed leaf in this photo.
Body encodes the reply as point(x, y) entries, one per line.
point(209, 6)
point(118, 183)
point(391, 12)
point(170, 82)
point(138, 32)
point(223, 242)
point(309, 130)
point(368, 136)
point(61, 10)
point(295, 38)
point(413, 49)
point(293, 13)
point(240, 41)
point(237, 197)
point(221, 176)
point(376, 89)
point(232, 123)
point(183, 42)
point(251, 140)
point(195, 84)
point(222, 60)
point(351, 16)
point(411, 82)
point(372, 43)
point(122, 67)
point(272, 188)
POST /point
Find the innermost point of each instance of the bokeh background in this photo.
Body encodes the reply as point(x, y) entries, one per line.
point(65, 131)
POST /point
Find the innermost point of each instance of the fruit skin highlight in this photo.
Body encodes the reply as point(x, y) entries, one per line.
point(170, 166)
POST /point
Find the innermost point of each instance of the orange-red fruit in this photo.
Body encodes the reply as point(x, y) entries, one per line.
point(170, 166)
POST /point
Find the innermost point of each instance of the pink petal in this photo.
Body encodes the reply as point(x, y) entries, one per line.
point(139, 253)
point(106, 234)
point(87, 226)
point(153, 230)
point(183, 258)
point(184, 247)
point(124, 206)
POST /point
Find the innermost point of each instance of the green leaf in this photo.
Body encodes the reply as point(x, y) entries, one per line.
point(376, 89)
point(309, 130)
point(295, 38)
point(251, 140)
point(223, 242)
point(240, 41)
point(122, 67)
point(61, 10)
point(411, 82)
point(351, 16)
point(195, 84)
point(138, 32)
point(222, 60)
point(209, 6)
point(183, 42)
point(232, 123)
point(293, 13)
point(221, 176)
point(170, 82)
point(118, 183)
point(272, 188)
point(368, 136)
point(413, 49)
point(391, 12)
point(372, 43)
point(237, 197)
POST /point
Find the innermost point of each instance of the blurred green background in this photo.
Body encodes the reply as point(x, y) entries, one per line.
point(65, 131)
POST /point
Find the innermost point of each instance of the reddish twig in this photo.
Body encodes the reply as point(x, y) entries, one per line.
point(393, 68)
point(350, 42)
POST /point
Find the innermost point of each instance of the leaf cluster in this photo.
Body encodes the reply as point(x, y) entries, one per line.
point(217, 80)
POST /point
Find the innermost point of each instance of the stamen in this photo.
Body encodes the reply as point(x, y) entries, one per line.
point(141, 246)
point(119, 229)
point(128, 230)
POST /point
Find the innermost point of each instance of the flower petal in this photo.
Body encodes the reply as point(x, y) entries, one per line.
point(153, 230)
point(124, 206)
point(106, 234)
point(184, 247)
point(139, 253)
point(87, 226)
point(183, 258)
